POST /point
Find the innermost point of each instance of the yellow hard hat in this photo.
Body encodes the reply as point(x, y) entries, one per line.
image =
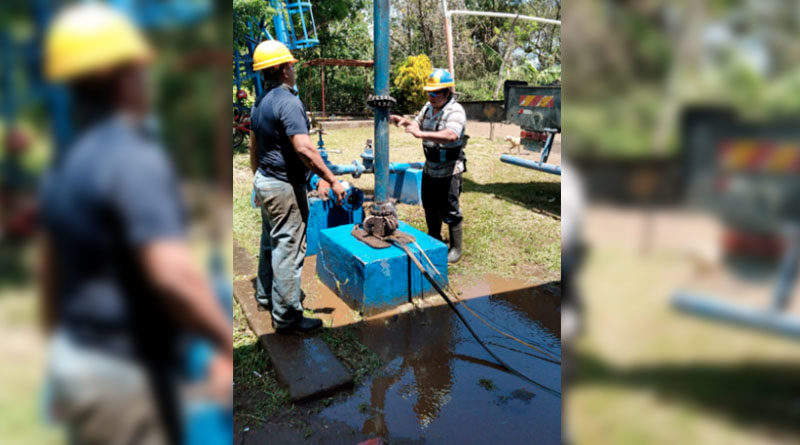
point(271, 53)
point(439, 79)
point(91, 37)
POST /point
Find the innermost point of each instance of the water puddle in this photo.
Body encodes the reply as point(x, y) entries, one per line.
point(439, 385)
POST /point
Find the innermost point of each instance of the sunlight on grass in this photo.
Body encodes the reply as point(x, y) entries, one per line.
point(511, 214)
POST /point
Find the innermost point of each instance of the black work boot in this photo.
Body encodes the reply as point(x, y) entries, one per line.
point(434, 223)
point(456, 242)
point(301, 325)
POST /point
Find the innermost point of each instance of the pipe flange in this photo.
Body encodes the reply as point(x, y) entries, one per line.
point(383, 209)
point(380, 226)
point(381, 101)
point(356, 172)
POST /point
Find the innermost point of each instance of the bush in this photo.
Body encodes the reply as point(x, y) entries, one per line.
point(409, 78)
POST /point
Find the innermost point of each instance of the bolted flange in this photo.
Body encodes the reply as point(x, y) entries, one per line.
point(382, 221)
point(381, 101)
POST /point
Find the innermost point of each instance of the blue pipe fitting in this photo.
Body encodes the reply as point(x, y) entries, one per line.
point(353, 198)
point(535, 165)
point(768, 320)
point(368, 156)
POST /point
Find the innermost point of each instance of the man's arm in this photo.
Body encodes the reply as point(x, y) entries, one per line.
point(444, 136)
point(311, 158)
point(253, 152)
point(189, 295)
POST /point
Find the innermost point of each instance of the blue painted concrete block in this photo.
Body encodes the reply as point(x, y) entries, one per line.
point(325, 214)
point(406, 186)
point(372, 280)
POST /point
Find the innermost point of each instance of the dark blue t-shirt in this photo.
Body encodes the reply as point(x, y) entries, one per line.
point(276, 116)
point(113, 192)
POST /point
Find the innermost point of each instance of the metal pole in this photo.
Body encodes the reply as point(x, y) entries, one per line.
point(505, 15)
point(448, 31)
point(381, 50)
point(322, 69)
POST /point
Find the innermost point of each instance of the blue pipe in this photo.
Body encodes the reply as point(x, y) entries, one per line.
point(358, 168)
point(769, 320)
point(403, 166)
point(536, 165)
point(381, 50)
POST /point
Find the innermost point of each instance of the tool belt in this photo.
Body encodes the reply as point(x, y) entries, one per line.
point(436, 154)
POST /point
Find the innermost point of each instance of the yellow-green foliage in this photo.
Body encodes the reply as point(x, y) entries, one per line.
point(409, 78)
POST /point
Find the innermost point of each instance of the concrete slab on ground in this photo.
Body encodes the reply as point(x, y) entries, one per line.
point(305, 364)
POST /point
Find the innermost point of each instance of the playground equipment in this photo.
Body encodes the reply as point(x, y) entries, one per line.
point(293, 25)
point(537, 110)
point(747, 174)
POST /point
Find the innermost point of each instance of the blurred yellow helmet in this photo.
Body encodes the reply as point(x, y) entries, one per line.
point(88, 38)
point(271, 53)
point(439, 79)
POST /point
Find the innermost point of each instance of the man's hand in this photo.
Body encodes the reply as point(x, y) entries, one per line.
point(413, 129)
point(339, 192)
point(400, 121)
point(323, 187)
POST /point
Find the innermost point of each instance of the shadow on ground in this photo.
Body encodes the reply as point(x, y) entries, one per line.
point(762, 394)
point(541, 197)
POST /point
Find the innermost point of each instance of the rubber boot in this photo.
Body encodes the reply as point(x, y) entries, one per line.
point(434, 225)
point(302, 325)
point(456, 242)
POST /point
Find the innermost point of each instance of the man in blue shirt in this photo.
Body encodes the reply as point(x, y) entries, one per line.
point(282, 158)
point(121, 288)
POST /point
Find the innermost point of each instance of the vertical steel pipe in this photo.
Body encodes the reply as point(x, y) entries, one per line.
point(381, 50)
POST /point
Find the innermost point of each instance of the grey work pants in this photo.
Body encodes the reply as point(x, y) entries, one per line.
point(284, 216)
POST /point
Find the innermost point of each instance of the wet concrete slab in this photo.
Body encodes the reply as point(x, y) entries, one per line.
point(305, 364)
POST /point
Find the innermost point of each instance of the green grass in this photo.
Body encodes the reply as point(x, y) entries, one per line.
point(695, 380)
point(512, 225)
point(22, 361)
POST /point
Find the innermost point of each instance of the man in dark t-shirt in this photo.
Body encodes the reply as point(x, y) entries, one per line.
point(282, 157)
point(121, 288)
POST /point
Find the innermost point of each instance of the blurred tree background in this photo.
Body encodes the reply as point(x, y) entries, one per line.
point(344, 28)
point(634, 66)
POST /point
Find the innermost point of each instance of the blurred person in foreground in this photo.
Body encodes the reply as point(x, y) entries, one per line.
point(441, 125)
point(573, 201)
point(282, 158)
point(122, 293)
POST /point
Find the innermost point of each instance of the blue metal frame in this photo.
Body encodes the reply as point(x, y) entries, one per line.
point(773, 318)
point(542, 164)
point(284, 32)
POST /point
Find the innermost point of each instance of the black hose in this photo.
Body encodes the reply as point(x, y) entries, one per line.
point(463, 320)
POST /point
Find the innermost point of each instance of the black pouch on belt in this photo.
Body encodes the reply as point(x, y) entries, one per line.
point(443, 154)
